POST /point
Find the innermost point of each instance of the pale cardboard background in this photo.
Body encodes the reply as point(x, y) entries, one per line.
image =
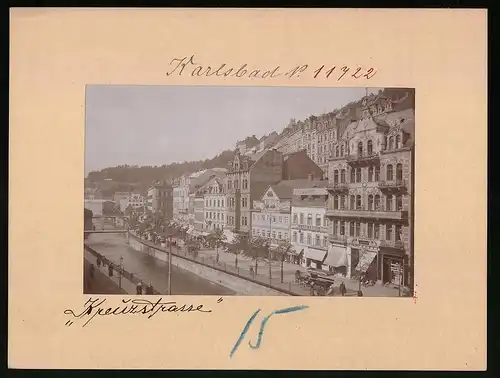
point(442, 53)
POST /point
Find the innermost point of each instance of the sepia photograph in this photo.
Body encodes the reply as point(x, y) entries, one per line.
point(254, 191)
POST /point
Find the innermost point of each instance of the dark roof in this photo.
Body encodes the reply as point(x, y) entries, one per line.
point(284, 189)
point(257, 190)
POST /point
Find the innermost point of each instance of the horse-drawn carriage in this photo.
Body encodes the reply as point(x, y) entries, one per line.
point(319, 284)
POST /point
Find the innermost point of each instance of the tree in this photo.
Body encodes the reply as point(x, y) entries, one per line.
point(259, 248)
point(281, 251)
point(217, 238)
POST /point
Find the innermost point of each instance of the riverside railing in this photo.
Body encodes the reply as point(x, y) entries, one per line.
point(290, 288)
point(119, 269)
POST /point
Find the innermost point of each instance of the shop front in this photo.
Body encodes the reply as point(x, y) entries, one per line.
point(314, 258)
point(336, 259)
point(393, 269)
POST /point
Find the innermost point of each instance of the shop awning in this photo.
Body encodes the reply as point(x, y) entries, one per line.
point(314, 254)
point(203, 233)
point(365, 260)
point(230, 237)
point(337, 256)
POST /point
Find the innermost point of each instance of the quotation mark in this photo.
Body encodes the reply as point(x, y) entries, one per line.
point(219, 300)
point(68, 323)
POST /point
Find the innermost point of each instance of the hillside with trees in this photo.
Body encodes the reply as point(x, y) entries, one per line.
point(137, 178)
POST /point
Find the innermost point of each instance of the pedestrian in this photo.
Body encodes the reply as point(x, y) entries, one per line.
point(360, 293)
point(343, 289)
point(138, 288)
point(92, 270)
point(99, 262)
point(251, 271)
point(110, 270)
point(149, 289)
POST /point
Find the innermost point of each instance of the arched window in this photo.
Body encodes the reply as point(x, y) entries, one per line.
point(360, 148)
point(337, 151)
point(245, 184)
point(353, 175)
point(351, 229)
point(377, 173)
point(236, 184)
point(398, 141)
point(358, 202)
point(370, 174)
point(388, 203)
point(399, 171)
point(370, 202)
point(391, 143)
point(389, 175)
point(358, 174)
point(342, 176)
point(342, 150)
point(336, 177)
point(369, 147)
point(353, 203)
point(377, 202)
point(336, 203)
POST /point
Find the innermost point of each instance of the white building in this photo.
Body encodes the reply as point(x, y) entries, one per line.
point(135, 200)
point(215, 207)
point(310, 227)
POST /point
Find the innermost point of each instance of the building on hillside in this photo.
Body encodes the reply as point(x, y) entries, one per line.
point(298, 165)
point(291, 143)
point(370, 192)
point(246, 180)
point(268, 141)
point(214, 198)
point(309, 227)
point(160, 199)
point(248, 143)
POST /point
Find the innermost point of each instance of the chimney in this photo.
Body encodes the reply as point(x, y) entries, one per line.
point(310, 176)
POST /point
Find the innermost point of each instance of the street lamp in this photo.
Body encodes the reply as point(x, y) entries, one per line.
point(121, 269)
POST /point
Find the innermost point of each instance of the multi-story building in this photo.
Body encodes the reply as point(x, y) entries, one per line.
point(297, 165)
point(214, 198)
point(160, 199)
point(246, 180)
point(309, 228)
point(370, 191)
point(247, 144)
point(135, 200)
point(186, 185)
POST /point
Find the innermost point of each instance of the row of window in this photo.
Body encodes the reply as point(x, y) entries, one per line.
point(270, 234)
point(372, 230)
point(373, 174)
point(232, 202)
point(214, 216)
point(317, 240)
point(214, 203)
point(392, 202)
point(272, 218)
point(298, 218)
point(244, 184)
point(231, 220)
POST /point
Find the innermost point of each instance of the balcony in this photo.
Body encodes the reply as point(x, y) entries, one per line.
point(399, 245)
point(392, 185)
point(338, 239)
point(371, 214)
point(339, 187)
point(362, 159)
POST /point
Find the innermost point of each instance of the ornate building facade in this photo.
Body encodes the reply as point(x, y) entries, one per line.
point(370, 193)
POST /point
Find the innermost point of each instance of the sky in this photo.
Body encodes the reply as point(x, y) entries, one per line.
point(156, 125)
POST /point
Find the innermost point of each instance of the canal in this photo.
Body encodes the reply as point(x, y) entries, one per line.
point(152, 270)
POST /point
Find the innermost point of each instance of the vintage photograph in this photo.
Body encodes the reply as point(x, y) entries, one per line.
point(259, 191)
